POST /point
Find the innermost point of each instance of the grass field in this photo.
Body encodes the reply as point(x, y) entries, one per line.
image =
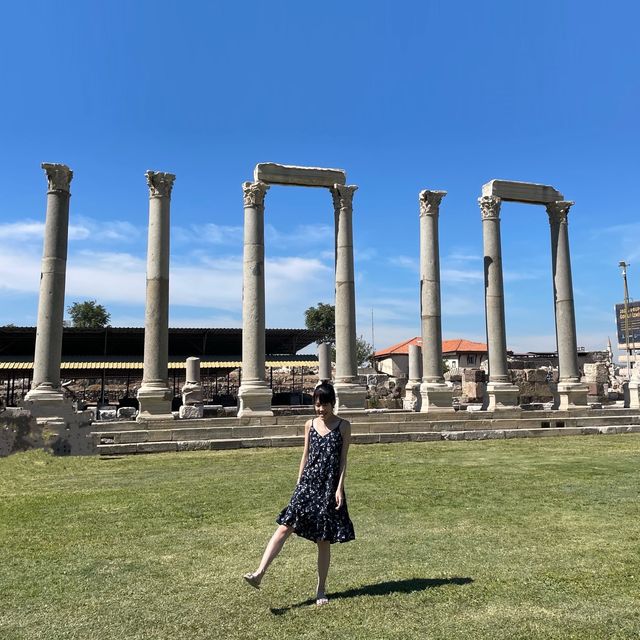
point(494, 539)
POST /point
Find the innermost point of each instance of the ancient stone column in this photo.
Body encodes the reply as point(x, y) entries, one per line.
point(501, 393)
point(254, 393)
point(155, 394)
point(324, 360)
point(48, 351)
point(436, 395)
point(571, 392)
point(412, 400)
point(349, 394)
point(192, 406)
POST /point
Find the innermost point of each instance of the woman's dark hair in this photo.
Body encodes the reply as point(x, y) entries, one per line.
point(324, 394)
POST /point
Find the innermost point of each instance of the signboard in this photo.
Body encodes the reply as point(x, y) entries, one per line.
point(633, 309)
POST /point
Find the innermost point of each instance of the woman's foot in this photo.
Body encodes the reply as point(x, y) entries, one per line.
point(253, 579)
point(321, 599)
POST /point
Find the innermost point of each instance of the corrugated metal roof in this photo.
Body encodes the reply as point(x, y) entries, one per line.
point(303, 361)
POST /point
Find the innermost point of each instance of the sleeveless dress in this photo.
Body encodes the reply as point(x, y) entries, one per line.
point(312, 510)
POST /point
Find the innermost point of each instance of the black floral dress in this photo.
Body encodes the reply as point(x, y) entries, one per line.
point(312, 510)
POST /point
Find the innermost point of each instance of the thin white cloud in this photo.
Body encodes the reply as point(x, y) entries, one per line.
point(34, 231)
point(404, 262)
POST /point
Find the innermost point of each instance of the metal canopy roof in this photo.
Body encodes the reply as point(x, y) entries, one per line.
point(122, 348)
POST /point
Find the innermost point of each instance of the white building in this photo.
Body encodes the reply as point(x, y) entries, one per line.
point(457, 354)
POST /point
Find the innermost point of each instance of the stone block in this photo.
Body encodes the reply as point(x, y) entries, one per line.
point(232, 443)
point(250, 443)
point(126, 413)
point(473, 375)
point(426, 436)
point(193, 445)
point(213, 411)
point(191, 411)
point(272, 173)
point(117, 449)
point(156, 447)
point(512, 191)
point(394, 437)
point(108, 414)
point(365, 438)
point(287, 441)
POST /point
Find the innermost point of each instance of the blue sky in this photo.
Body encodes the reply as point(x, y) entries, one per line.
point(404, 96)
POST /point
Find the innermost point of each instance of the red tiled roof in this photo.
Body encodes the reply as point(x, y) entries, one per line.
point(457, 345)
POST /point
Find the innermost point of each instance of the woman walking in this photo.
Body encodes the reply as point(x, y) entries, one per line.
point(318, 508)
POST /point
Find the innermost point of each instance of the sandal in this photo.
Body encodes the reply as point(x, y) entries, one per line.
point(252, 579)
point(321, 600)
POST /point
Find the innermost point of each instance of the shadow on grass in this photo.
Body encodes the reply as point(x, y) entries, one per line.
point(381, 589)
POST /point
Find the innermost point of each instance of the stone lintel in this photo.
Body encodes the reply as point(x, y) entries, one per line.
point(528, 192)
point(272, 173)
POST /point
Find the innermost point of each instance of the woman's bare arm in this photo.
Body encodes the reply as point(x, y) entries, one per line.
point(305, 452)
point(345, 430)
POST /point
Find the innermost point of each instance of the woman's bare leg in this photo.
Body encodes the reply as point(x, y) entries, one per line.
point(273, 549)
point(324, 559)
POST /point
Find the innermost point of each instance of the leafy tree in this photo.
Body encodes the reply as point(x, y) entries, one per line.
point(364, 351)
point(88, 315)
point(322, 318)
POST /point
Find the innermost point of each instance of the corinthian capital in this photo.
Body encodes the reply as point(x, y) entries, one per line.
point(254, 193)
point(490, 207)
point(558, 212)
point(343, 196)
point(59, 176)
point(430, 201)
point(160, 184)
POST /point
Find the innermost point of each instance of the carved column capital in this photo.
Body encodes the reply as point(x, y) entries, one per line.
point(254, 193)
point(59, 176)
point(430, 201)
point(558, 212)
point(490, 207)
point(343, 196)
point(160, 184)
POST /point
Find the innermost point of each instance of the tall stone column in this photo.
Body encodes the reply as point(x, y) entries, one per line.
point(155, 394)
point(435, 393)
point(48, 352)
point(412, 400)
point(254, 393)
point(501, 394)
point(349, 394)
point(571, 392)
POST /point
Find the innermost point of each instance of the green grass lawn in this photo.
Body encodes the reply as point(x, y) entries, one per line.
point(534, 538)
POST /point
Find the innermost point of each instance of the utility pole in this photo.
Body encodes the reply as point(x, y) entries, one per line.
point(623, 265)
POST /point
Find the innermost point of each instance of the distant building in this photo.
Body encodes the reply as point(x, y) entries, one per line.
point(457, 354)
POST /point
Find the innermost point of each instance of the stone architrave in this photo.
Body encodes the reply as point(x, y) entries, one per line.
point(192, 405)
point(349, 394)
point(511, 191)
point(572, 394)
point(272, 173)
point(500, 393)
point(324, 360)
point(412, 399)
point(254, 394)
point(154, 394)
point(434, 391)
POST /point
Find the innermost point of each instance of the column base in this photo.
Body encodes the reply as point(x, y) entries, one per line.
point(436, 396)
point(633, 394)
point(571, 395)
point(349, 396)
point(155, 402)
point(255, 400)
point(500, 395)
point(412, 400)
point(45, 393)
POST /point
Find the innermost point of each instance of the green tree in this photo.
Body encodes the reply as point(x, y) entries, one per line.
point(364, 351)
point(322, 318)
point(88, 315)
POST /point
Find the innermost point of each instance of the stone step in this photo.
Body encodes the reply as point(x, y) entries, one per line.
point(225, 431)
point(125, 448)
point(385, 417)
